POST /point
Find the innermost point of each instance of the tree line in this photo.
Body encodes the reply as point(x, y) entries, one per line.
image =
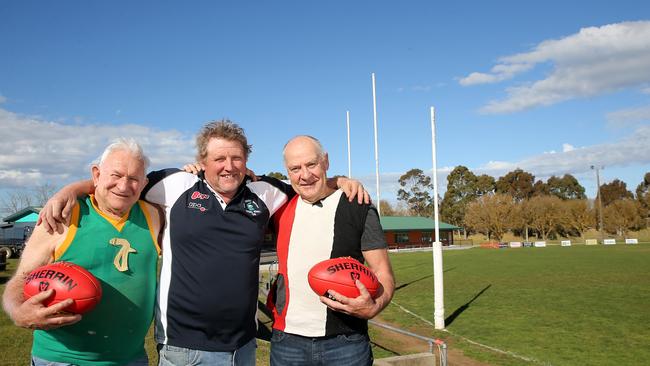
point(518, 203)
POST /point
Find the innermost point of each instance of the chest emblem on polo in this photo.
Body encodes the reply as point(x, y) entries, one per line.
point(252, 208)
point(121, 261)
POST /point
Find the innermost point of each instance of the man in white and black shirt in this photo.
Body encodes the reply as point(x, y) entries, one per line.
point(318, 224)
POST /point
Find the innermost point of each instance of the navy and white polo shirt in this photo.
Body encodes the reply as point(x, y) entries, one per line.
point(308, 234)
point(208, 286)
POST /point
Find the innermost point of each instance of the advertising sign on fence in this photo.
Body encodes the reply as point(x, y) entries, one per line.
point(609, 241)
point(515, 244)
point(565, 243)
point(631, 241)
point(540, 244)
point(591, 242)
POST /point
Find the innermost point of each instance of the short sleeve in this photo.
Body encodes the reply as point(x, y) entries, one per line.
point(373, 235)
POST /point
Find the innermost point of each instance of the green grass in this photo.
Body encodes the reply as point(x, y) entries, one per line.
point(582, 305)
point(561, 306)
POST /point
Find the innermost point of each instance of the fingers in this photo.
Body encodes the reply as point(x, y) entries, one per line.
point(350, 190)
point(67, 209)
point(363, 291)
point(189, 168)
point(366, 197)
point(56, 210)
point(40, 297)
point(251, 174)
point(59, 307)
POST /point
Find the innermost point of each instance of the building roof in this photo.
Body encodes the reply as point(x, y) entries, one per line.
point(412, 223)
point(30, 210)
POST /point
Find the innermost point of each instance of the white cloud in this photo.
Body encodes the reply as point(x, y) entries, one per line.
point(594, 61)
point(567, 147)
point(35, 151)
point(630, 151)
point(2, 99)
point(630, 116)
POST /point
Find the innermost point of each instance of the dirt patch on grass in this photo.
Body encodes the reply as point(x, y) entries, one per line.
point(400, 344)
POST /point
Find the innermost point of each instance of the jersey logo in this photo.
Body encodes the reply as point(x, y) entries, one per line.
point(121, 261)
point(199, 195)
point(196, 206)
point(252, 208)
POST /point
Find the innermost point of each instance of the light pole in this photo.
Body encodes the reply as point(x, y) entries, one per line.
point(600, 201)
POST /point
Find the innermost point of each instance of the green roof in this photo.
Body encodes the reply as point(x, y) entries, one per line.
point(412, 223)
point(30, 213)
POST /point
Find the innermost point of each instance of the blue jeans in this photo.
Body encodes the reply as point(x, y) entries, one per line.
point(142, 361)
point(341, 350)
point(179, 356)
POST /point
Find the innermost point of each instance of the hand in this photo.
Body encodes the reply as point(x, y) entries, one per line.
point(363, 306)
point(33, 314)
point(57, 210)
point(251, 174)
point(193, 168)
point(353, 188)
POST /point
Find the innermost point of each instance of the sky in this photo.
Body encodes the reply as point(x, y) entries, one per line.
point(551, 87)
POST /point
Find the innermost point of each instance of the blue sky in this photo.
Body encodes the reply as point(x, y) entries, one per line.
point(551, 87)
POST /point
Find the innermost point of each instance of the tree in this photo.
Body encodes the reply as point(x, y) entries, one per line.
point(540, 189)
point(396, 209)
point(517, 183)
point(490, 215)
point(622, 216)
point(18, 199)
point(416, 192)
point(643, 194)
point(566, 188)
point(461, 190)
point(485, 184)
point(578, 216)
point(43, 192)
point(613, 191)
point(545, 214)
point(277, 175)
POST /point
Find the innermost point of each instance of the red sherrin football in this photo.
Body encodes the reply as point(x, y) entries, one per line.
point(69, 281)
point(339, 274)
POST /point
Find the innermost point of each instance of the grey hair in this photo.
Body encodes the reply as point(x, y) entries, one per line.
point(320, 151)
point(128, 145)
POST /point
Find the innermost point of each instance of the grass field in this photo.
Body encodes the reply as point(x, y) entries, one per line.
point(582, 305)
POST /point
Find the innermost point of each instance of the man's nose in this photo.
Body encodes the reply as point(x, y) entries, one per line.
point(304, 172)
point(228, 164)
point(122, 183)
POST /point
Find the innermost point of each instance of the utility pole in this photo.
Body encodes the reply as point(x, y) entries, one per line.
point(600, 202)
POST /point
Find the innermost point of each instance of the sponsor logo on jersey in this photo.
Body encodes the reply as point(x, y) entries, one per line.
point(196, 195)
point(196, 206)
point(252, 208)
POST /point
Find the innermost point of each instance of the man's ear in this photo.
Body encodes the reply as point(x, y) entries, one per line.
point(94, 172)
point(326, 161)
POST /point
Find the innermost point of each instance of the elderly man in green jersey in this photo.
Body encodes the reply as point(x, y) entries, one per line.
point(113, 333)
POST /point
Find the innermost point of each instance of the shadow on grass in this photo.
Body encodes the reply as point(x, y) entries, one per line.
point(450, 319)
point(420, 279)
